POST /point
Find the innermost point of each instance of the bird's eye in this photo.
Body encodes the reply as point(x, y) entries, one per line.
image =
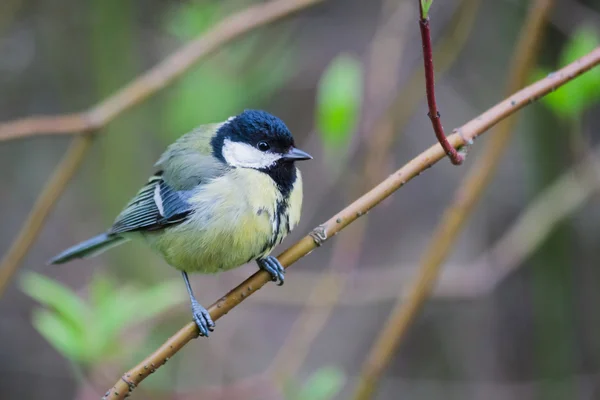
point(263, 146)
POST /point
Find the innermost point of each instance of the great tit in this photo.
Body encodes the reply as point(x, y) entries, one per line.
point(223, 195)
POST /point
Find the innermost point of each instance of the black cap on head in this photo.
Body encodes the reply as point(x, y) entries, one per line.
point(253, 127)
point(258, 140)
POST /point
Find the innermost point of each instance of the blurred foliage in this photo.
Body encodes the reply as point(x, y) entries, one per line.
point(324, 384)
point(338, 101)
point(553, 298)
point(88, 333)
point(246, 72)
point(572, 99)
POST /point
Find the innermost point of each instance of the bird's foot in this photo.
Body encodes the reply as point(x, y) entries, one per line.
point(273, 267)
point(202, 319)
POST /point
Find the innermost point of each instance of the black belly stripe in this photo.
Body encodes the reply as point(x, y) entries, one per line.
point(277, 235)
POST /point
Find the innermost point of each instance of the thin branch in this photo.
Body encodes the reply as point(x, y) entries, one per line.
point(158, 77)
point(43, 205)
point(136, 92)
point(445, 52)
point(434, 114)
point(335, 224)
point(466, 197)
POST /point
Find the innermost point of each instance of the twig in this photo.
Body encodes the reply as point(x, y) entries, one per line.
point(43, 205)
point(434, 114)
point(136, 92)
point(466, 198)
point(335, 224)
point(158, 77)
point(445, 52)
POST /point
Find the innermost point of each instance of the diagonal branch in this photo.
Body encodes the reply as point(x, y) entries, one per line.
point(158, 77)
point(466, 197)
point(42, 207)
point(366, 202)
point(136, 92)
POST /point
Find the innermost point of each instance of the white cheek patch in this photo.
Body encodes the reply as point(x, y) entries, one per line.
point(243, 155)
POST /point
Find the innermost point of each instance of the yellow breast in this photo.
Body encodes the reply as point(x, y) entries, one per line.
point(239, 217)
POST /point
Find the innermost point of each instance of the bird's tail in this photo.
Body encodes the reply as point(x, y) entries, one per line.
point(88, 248)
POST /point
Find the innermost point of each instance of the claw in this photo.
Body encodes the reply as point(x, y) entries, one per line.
point(274, 268)
point(202, 319)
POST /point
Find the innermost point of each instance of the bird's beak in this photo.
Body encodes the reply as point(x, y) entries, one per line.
point(296, 155)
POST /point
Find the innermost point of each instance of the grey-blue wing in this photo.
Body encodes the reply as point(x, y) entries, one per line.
point(156, 206)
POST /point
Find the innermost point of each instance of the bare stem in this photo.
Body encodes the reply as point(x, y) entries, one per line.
point(434, 114)
point(465, 199)
point(366, 202)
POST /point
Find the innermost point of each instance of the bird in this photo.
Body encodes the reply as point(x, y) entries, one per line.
point(221, 196)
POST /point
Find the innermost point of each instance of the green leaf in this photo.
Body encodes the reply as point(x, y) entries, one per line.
point(58, 297)
point(90, 334)
point(572, 99)
point(130, 306)
point(324, 384)
point(338, 100)
point(60, 333)
point(425, 6)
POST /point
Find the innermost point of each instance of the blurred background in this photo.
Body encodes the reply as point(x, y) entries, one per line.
point(515, 313)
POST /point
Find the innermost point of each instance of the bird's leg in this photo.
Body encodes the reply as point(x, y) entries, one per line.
point(273, 267)
point(201, 316)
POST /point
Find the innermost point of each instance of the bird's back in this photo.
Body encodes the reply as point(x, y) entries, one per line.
point(189, 162)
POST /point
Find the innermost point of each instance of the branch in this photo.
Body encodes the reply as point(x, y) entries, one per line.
point(136, 92)
point(158, 77)
point(465, 199)
point(335, 224)
point(434, 114)
point(42, 207)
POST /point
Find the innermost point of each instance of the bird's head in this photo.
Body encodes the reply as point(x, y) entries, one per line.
point(258, 140)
